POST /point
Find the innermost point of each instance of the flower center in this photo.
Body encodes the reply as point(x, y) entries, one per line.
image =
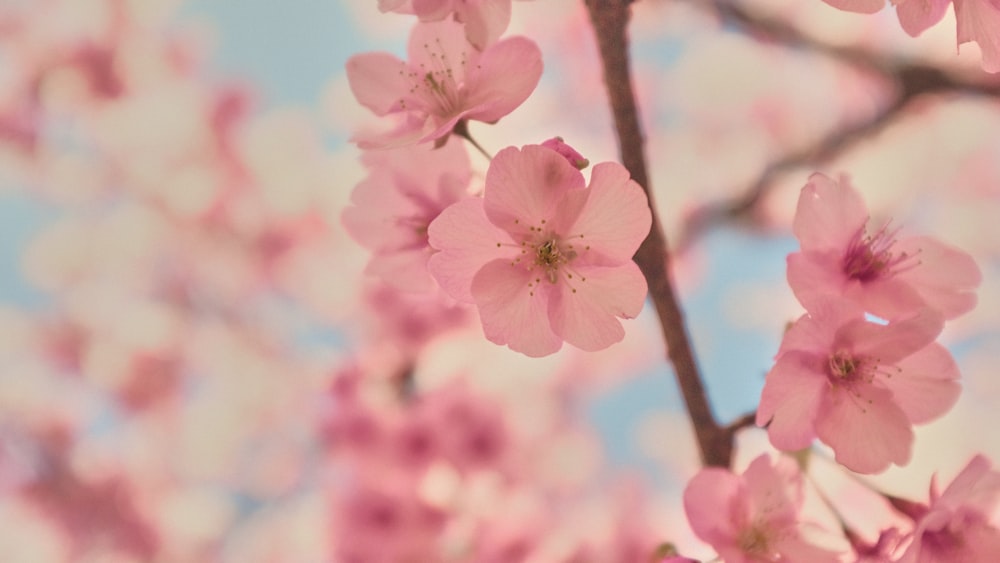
point(870, 257)
point(844, 366)
point(436, 82)
point(753, 541)
point(551, 256)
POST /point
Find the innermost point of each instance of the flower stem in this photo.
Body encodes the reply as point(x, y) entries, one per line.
point(610, 21)
point(462, 130)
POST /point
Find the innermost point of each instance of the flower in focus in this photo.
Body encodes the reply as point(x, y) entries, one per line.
point(857, 385)
point(959, 523)
point(887, 276)
point(753, 517)
point(446, 80)
point(485, 20)
point(544, 258)
point(405, 190)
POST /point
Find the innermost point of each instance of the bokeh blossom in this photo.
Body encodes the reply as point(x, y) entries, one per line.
point(405, 190)
point(960, 523)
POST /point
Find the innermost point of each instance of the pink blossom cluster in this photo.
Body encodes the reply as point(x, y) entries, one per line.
point(861, 367)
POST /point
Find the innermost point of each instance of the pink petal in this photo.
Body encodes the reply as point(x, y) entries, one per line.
point(793, 548)
point(588, 317)
point(979, 21)
point(432, 10)
point(915, 16)
point(710, 499)
point(928, 385)
point(378, 81)
point(422, 165)
point(828, 214)
point(977, 486)
point(791, 399)
point(513, 309)
point(814, 276)
point(895, 341)
point(775, 491)
point(866, 430)
point(410, 128)
point(405, 270)
point(467, 241)
point(615, 218)
point(858, 6)
point(815, 332)
point(525, 187)
point(887, 298)
point(946, 277)
point(503, 78)
point(485, 21)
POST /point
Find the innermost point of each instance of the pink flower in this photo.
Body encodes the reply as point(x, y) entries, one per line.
point(958, 524)
point(978, 20)
point(544, 258)
point(405, 190)
point(445, 81)
point(485, 20)
point(753, 517)
point(859, 386)
point(888, 277)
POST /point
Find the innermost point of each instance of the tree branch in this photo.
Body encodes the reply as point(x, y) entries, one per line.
point(610, 21)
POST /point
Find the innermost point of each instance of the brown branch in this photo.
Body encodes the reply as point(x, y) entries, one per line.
point(911, 81)
point(610, 21)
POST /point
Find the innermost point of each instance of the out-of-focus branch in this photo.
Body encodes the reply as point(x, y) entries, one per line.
point(910, 81)
point(610, 20)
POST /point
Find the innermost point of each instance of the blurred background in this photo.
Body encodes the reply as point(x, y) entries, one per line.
point(194, 365)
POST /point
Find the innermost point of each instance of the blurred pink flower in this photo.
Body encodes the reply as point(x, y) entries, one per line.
point(754, 517)
point(543, 258)
point(978, 20)
point(888, 277)
point(858, 385)
point(445, 81)
point(405, 190)
point(485, 20)
point(958, 523)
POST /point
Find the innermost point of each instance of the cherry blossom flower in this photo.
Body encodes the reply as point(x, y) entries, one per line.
point(485, 20)
point(753, 517)
point(888, 276)
point(978, 20)
point(544, 258)
point(445, 81)
point(405, 190)
point(857, 385)
point(959, 523)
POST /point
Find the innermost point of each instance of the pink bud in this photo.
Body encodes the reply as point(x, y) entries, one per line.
point(569, 153)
